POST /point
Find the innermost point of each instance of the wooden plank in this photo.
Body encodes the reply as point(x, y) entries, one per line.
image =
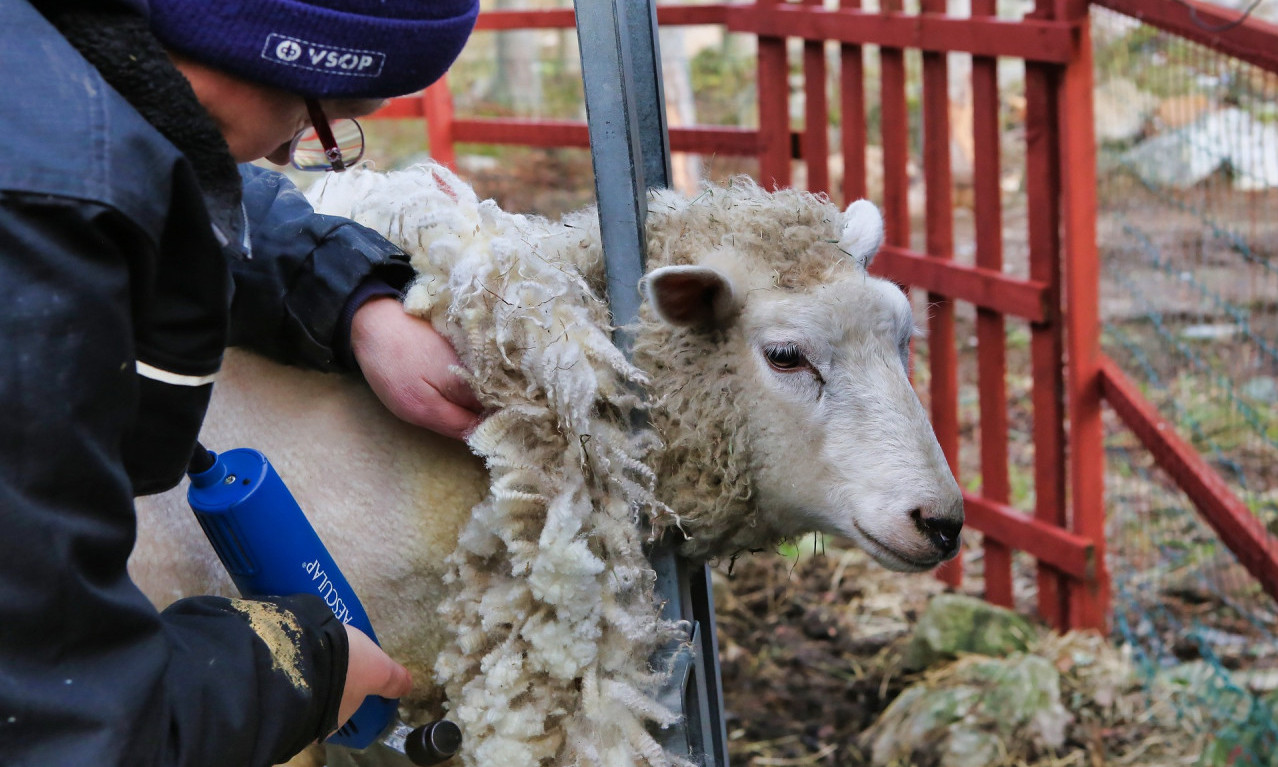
point(1028, 299)
point(1088, 602)
point(538, 133)
point(894, 130)
point(692, 15)
point(816, 115)
point(400, 108)
point(1047, 344)
point(1241, 530)
point(564, 18)
point(1071, 555)
point(545, 18)
point(774, 109)
point(991, 338)
point(1029, 39)
point(437, 108)
point(740, 142)
point(852, 129)
point(939, 216)
point(568, 133)
point(1222, 29)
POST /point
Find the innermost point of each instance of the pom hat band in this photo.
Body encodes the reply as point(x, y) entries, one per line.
point(321, 48)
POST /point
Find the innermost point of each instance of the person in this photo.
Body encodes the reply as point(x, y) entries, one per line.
point(133, 249)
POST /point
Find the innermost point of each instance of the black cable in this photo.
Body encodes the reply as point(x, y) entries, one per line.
point(201, 460)
point(1198, 21)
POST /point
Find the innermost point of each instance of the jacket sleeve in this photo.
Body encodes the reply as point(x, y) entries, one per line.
point(90, 672)
point(293, 296)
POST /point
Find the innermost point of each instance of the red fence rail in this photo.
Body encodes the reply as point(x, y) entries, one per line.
point(1064, 531)
point(1238, 528)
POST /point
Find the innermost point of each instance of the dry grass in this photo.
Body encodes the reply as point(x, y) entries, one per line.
point(811, 651)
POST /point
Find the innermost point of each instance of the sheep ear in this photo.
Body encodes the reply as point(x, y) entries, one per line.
point(691, 296)
point(862, 231)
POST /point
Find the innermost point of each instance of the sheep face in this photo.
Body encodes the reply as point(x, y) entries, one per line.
point(834, 436)
point(839, 439)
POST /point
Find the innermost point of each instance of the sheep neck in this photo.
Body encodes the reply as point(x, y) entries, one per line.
point(704, 466)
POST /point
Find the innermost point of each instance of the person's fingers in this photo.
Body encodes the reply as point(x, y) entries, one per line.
point(369, 671)
point(400, 683)
point(444, 371)
point(458, 391)
point(443, 417)
point(414, 370)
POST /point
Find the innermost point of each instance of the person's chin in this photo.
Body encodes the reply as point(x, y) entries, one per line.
point(278, 156)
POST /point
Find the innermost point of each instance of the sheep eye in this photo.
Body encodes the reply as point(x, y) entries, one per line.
point(785, 357)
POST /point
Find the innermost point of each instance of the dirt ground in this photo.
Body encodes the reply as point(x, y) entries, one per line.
point(807, 648)
point(811, 650)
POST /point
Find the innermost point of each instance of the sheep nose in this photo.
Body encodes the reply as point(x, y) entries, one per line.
point(943, 532)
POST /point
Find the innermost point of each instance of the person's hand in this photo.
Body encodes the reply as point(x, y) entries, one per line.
point(369, 672)
point(407, 364)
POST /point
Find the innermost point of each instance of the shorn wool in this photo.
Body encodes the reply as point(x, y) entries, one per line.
point(550, 594)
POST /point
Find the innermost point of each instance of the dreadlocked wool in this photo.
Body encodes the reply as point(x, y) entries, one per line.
point(551, 597)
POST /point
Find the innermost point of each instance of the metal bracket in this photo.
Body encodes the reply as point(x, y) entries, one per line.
point(630, 149)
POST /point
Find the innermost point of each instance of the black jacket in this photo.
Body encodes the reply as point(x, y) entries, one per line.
point(124, 270)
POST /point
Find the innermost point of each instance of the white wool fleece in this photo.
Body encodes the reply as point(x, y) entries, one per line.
point(549, 593)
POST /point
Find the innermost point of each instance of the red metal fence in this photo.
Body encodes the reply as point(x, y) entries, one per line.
point(1058, 299)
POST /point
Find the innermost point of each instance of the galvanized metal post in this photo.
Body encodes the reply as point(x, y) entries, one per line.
point(630, 148)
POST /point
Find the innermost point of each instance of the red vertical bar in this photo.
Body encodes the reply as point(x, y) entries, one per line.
point(894, 134)
point(990, 330)
point(939, 203)
point(437, 105)
point(816, 111)
point(852, 107)
point(774, 109)
point(1088, 600)
point(1043, 187)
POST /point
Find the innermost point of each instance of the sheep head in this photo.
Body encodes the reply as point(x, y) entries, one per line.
point(780, 368)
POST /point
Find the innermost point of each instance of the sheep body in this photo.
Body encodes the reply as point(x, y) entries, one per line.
point(521, 578)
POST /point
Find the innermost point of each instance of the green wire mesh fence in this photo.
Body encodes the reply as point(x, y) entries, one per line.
point(1188, 232)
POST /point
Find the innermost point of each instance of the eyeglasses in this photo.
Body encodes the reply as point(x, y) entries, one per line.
point(326, 145)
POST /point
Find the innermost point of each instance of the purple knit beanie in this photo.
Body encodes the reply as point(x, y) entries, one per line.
point(321, 48)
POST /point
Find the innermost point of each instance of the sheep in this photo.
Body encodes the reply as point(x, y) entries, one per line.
point(773, 373)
